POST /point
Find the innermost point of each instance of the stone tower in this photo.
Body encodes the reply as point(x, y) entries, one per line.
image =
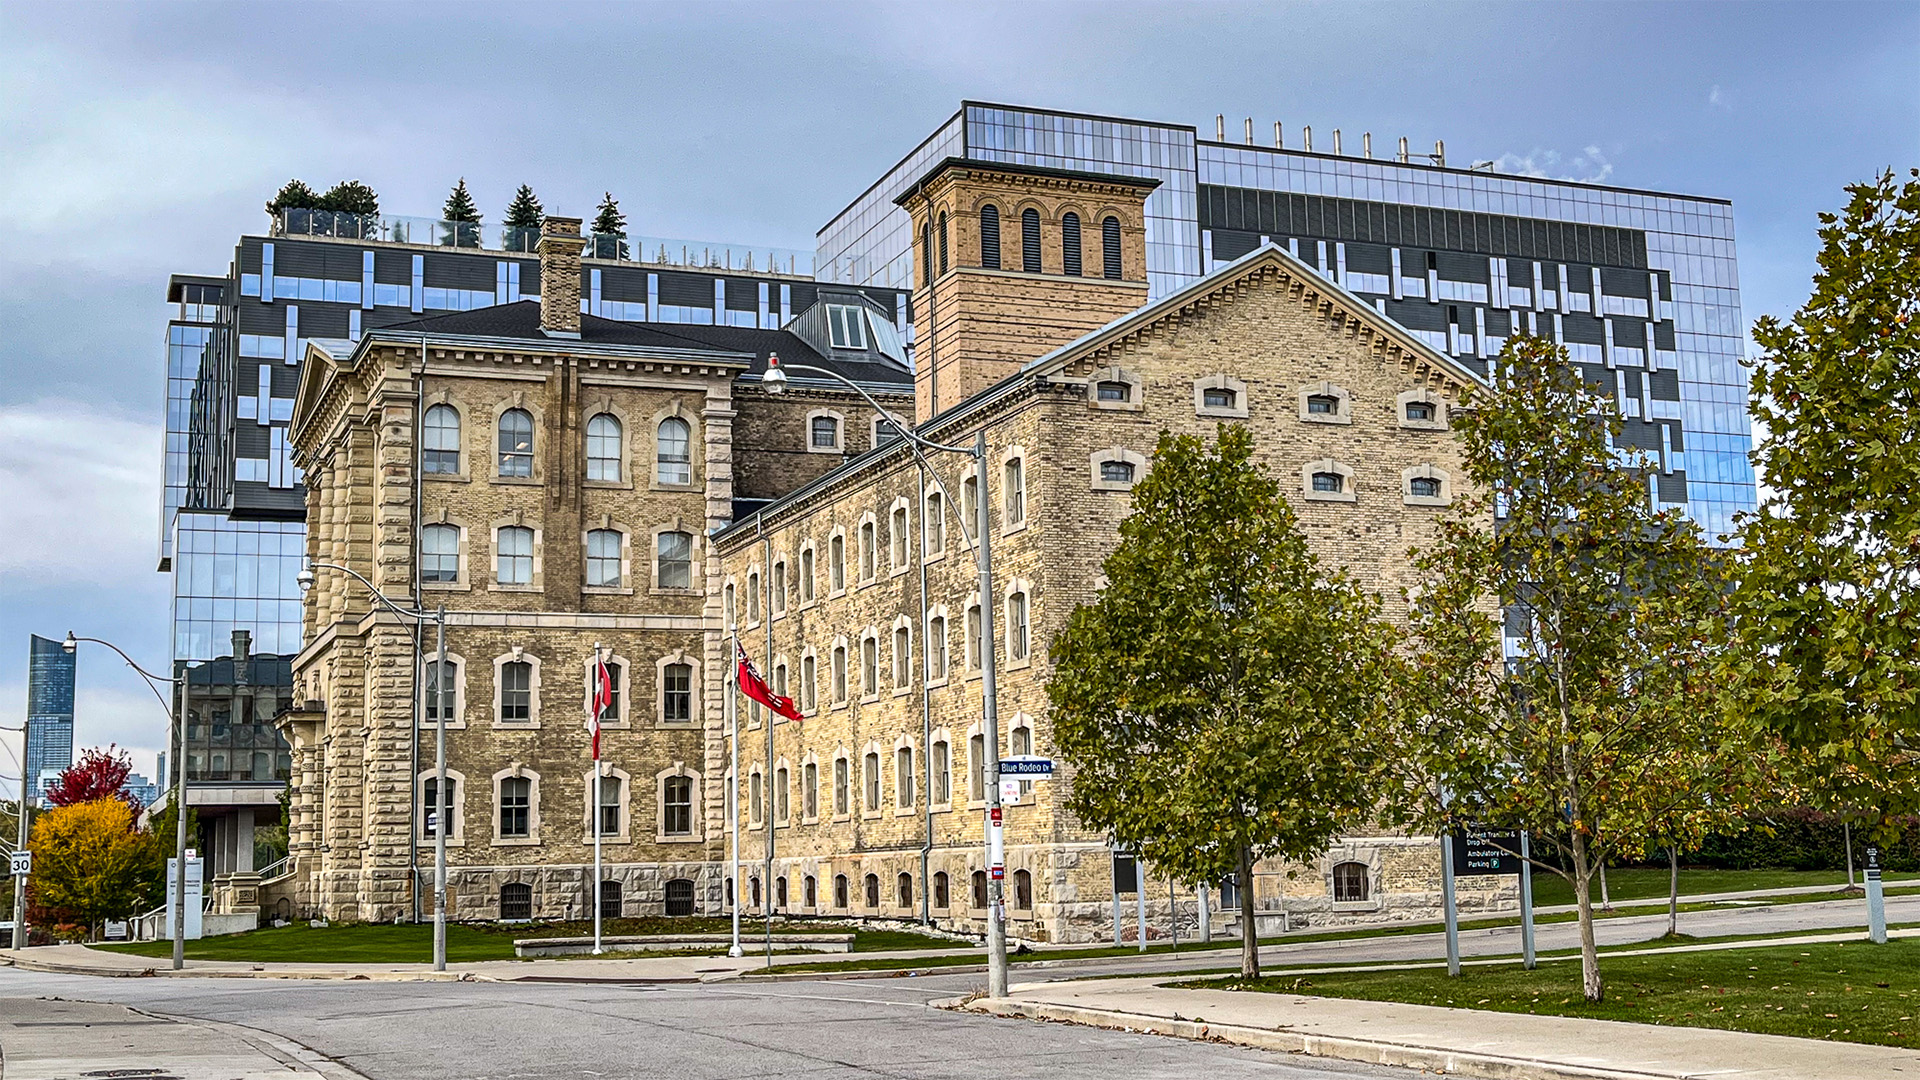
point(1011, 261)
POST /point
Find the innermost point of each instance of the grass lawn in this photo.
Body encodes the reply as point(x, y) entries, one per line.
point(1855, 992)
point(385, 943)
point(1648, 884)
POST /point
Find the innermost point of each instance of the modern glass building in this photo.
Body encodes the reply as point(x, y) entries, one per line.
point(1641, 286)
point(49, 712)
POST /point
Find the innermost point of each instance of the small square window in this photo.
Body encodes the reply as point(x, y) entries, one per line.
point(1112, 390)
point(1117, 472)
point(1323, 405)
point(1217, 398)
point(1419, 410)
point(1426, 487)
point(1329, 482)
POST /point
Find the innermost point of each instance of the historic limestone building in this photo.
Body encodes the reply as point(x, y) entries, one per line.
point(560, 482)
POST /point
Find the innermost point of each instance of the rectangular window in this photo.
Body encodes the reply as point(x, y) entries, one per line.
point(866, 551)
point(942, 778)
point(937, 647)
point(440, 691)
point(678, 819)
point(903, 777)
point(429, 819)
point(840, 673)
point(977, 768)
point(810, 790)
point(780, 795)
point(440, 553)
point(840, 782)
point(809, 684)
point(837, 563)
point(1017, 626)
point(873, 783)
point(676, 561)
point(780, 588)
point(846, 327)
point(609, 806)
point(603, 558)
point(869, 666)
point(934, 523)
point(516, 692)
point(513, 562)
point(756, 796)
point(902, 658)
point(973, 637)
point(897, 541)
point(676, 694)
point(806, 575)
point(516, 807)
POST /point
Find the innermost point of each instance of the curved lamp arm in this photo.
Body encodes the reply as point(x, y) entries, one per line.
point(305, 580)
point(72, 643)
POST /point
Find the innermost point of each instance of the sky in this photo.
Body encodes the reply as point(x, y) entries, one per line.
point(139, 140)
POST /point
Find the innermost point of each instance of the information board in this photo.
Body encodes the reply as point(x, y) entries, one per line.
point(1478, 850)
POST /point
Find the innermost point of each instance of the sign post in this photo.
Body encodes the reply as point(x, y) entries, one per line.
point(22, 863)
point(1477, 851)
point(192, 905)
point(1526, 902)
point(1453, 920)
point(1876, 900)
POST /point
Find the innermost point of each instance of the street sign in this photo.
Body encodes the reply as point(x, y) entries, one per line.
point(1026, 766)
point(993, 817)
point(116, 931)
point(22, 863)
point(999, 873)
point(1478, 850)
point(1126, 879)
point(1873, 864)
point(1010, 790)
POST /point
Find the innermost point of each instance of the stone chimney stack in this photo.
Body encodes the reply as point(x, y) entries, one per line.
point(560, 247)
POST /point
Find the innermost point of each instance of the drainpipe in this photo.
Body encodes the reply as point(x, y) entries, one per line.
point(419, 663)
point(926, 704)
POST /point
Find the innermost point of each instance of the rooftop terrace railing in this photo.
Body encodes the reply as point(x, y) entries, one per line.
point(650, 250)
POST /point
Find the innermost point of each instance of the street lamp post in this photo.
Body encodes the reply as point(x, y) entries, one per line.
point(440, 812)
point(775, 382)
point(178, 901)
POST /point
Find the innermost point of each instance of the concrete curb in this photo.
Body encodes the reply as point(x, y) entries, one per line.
point(1369, 1051)
point(57, 968)
point(293, 1055)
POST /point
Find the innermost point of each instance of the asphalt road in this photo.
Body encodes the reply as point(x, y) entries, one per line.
point(782, 1031)
point(793, 1030)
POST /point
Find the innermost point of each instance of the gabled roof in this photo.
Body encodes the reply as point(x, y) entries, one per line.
point(1414, 355)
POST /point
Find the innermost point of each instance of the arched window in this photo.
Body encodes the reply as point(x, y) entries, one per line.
point(977, 767)
point(675, 551)
point(673, 452)
point(1030, 240)
point(810, 802)
point(1427, 487)
point(603, 448)
point(869, 665)
point(990, 236)
point(1116, 472)
point(872, 888)
point(841, 782)
point(809, 683)
point(903, 890)
point(603, 558)
point(1022, 890)
point(811, 890)
point(440, 553)
point(933, 525)
point(942, 892)
point(897, 537)
point(1330, 482)
point(1113, 390)
point(840, 673)
point(1416, 410)
point(825, 433)
point(1323, 405)
point(1070, 244)
point(867, 559)
point(516, 900)
point(840, 891)
point(903, 777)
point(1350, 883)
point(780, 891)
point(442, 691)
point(676, 810)
point(516, 443)
point(980, 889)
point(902, 657)
point(431, 818)
point(937, 647)
point(973, 637)
point(753, 891)
point(1219, 397)
point(872, 763)
point(943, 241)
point(1013, 491)
point(680, 896)
point(837, 563)
point(926, 262)
point(513, 559)
point(1017, 636)
point(780, 796)
point(440, 440)
point(609, 899)
point(1110, 248)
point(806, 575)
point(941, 765)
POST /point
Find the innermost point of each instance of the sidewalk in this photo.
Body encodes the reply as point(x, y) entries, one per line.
point(42, 1039)
point(1462, 1042)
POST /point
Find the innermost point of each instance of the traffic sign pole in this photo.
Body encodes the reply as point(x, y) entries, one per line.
point(1526, 902)
point(1876, 900)
point(1453, 919)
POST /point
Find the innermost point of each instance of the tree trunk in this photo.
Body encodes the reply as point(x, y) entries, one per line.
point(1673, 891)
point(1249, 934)
point(1583, 899)
point(1606, 900)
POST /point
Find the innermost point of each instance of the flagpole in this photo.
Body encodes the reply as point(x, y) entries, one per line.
point(599, 826)
point(733, 788)
point(772, 717)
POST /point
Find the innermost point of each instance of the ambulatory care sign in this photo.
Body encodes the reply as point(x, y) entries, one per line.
point(1480, 850)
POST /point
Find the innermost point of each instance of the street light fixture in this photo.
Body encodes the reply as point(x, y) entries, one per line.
point(439, 813)
point(178, 901)
point(775, 382)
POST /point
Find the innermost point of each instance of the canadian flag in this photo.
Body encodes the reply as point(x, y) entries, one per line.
point(602, 699)
point(752, 685)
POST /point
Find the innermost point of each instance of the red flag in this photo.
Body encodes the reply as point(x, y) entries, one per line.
point(752, 685)
point(602, 699)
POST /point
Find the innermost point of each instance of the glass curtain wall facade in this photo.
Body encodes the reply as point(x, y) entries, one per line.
point(1641, 287)
point(49, 712)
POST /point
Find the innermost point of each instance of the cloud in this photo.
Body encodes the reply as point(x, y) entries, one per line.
point(129, 719)
point(81, 487)
point(1588, 166)
point(1719, 99)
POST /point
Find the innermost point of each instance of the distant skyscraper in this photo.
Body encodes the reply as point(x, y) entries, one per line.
point(49, 710)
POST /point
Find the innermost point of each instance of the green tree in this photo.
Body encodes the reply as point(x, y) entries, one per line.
point(1217, 699)
point(523, 220)
point(462, 217)
point(1829, 596)
point(350, 197)
point(89, 862)
point(609, 230)
point(1598, 730)
point(164, 836)
point(294, 195)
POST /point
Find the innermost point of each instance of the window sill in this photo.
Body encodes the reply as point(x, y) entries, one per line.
point(605, 590)
point(843, 817)
point(872, 815)
point(1113, 485)
point(812, 449)
point(1116, 406)
point(519, 481)
point(869, 699)
point(445, 586)
point(941, 808)
point(434, 725)
point(898, 571)
point(1017, 527)
point(1332, 496)
point(1021, 664)
point(868, 582)
point(835, 594)
point(659, 591)
point(1218, 413)
point(446, 478)
point(810, 821)
point(693, 488)
point(1326, 418)
point(497, 587)
point(689, 839)
point(905, 812)
point(937, 682)
point(675, 725)
point(516, 725)
point(1426, 500)
point(607, 485)
point(934, 557)
point(426, 842)
point(516, 841)
point(1422, 425)
point(588, 842)
point(902, 691)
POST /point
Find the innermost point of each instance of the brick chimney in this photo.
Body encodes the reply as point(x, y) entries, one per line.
point(560, 247)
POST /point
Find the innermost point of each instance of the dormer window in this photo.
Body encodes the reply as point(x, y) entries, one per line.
point(1323, 405)
point(846, 328)
point(1112, 390)
point(1218, 397)
point(1419, 410)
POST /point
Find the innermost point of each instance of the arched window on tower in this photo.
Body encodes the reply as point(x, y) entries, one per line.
point(1110, 248)
point(990, 236)
point(1030, 240)
point(1070, 244)
point(943, 241)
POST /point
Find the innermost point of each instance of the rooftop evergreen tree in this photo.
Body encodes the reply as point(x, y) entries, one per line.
point(1218, 699)
point(349, 197)
point(609, 230)
point(462, 216)
point(524, 215)
point(294, 195)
